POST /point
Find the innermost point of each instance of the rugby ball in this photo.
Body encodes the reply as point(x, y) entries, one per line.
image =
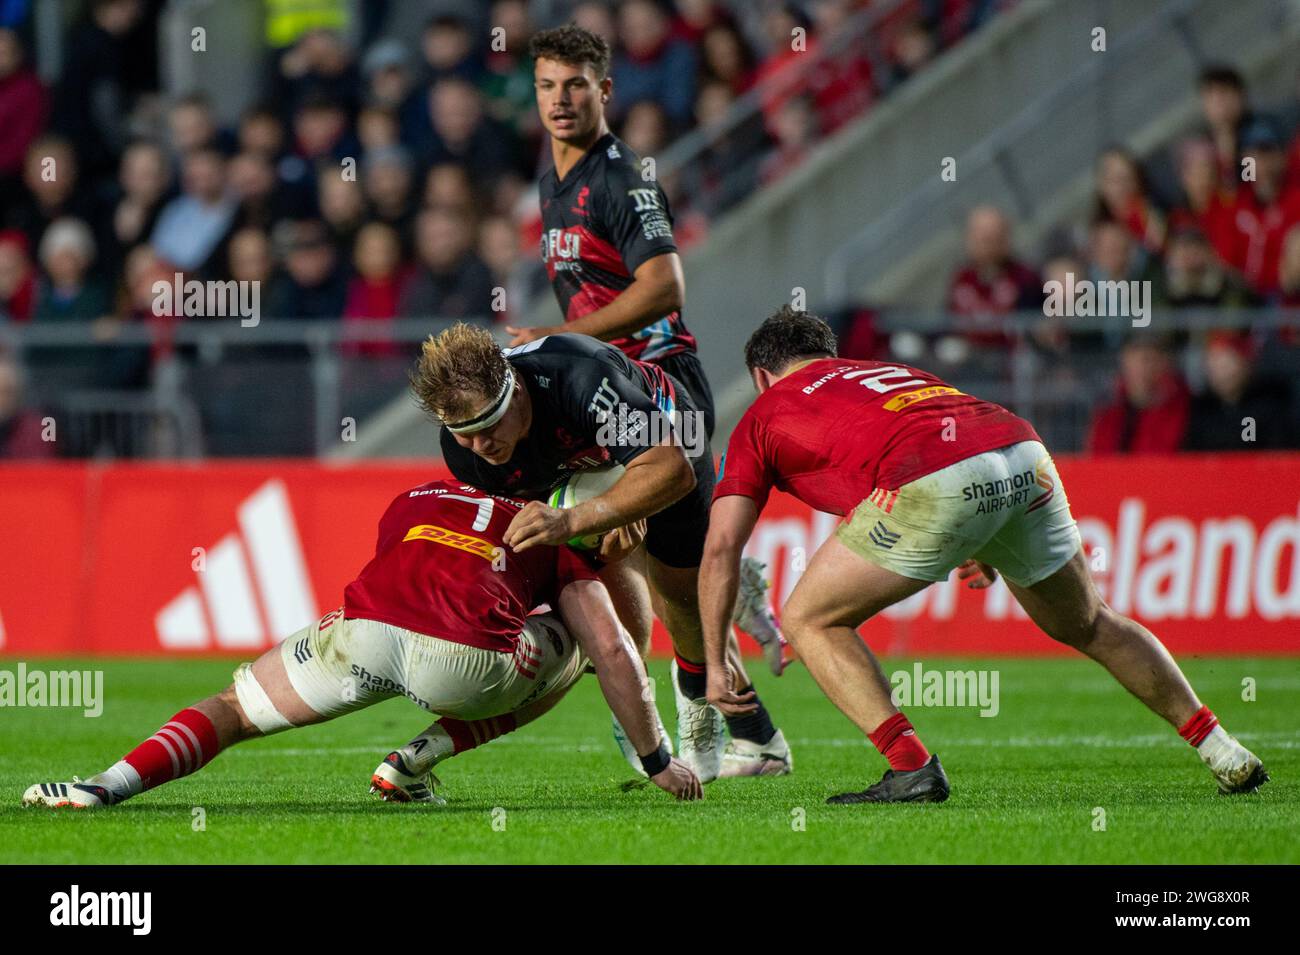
point(583, 486)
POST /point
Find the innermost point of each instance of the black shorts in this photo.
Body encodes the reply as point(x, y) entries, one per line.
point(675, 536)
point(685, 366)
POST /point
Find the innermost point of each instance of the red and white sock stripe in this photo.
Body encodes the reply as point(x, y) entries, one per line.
point(183, 745)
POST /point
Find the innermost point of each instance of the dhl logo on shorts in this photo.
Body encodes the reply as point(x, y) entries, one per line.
point(900, 402)
point(440, 535)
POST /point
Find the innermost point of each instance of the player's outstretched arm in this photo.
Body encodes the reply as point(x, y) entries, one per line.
point(589, 614)
point(731, 521)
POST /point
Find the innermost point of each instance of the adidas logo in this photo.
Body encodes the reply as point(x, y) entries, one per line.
point(224, 610)
point(882, 536)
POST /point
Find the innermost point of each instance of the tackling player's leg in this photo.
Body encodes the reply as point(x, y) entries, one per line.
point(1067, 607)
point(757, 747)
point(837, 592)
point(261, 701)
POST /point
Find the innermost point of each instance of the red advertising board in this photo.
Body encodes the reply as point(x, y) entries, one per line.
point(232, 557)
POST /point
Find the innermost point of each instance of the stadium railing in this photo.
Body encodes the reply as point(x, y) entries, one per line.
point(214, 387)
point(301, 388)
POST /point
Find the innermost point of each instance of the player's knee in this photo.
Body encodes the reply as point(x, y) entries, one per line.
point(796, 623)
point(1081, 629)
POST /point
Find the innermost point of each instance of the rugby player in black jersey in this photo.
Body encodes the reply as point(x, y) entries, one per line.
point(609, 251)
point(519, 421)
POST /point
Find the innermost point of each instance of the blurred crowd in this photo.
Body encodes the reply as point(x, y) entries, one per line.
point(1211, 222)
point(107, 186)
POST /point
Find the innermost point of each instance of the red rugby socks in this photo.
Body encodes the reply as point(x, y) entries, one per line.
point(897, 741)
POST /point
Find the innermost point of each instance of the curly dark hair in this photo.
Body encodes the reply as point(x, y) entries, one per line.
point(787, 336)
point(573, 45)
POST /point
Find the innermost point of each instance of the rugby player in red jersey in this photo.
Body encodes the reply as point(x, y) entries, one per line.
point(611, 256)
point(440, 615)
point(931, 480)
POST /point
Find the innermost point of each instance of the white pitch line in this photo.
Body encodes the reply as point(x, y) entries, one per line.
point(1268, 740)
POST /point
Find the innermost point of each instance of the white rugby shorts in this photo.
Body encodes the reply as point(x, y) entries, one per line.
point(1006, 508)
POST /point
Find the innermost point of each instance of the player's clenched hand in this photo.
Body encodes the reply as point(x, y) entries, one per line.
point(522, 336)
point(721, 692)
point(678, 779)
point(978, 575)
point(537, 524)
point(618, 543)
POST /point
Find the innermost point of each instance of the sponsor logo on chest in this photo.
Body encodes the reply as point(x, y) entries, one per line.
point(562, 248)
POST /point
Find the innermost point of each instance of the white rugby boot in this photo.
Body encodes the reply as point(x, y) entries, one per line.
point(1236, 768)
point(701, 733)
point(74, 795)
point(746, 758)
point(754, 615)
point(395, 782)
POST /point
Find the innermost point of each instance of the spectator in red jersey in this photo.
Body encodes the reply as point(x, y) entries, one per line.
point(21, 428)
point(1150, 411)
point(1223, 107)
point(1263, 211)
point(991, 283)
point(841, 86)
point(374, 290)
point(651, 64)
point(726, 57)
point(1205, 203)
point(17, 278)
point(1122, 197)
point(782, 73)
point(22, 108)
point(1239, 410)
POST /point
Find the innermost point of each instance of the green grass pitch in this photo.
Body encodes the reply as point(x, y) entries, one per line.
point(1027, 783)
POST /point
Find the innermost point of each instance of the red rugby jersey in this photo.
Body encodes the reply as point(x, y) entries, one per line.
point(837, 429)
point(434, 570)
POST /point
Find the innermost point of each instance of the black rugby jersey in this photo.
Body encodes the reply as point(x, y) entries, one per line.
point(599, 225)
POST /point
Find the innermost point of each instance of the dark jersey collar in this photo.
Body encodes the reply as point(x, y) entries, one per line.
point(579, 170)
